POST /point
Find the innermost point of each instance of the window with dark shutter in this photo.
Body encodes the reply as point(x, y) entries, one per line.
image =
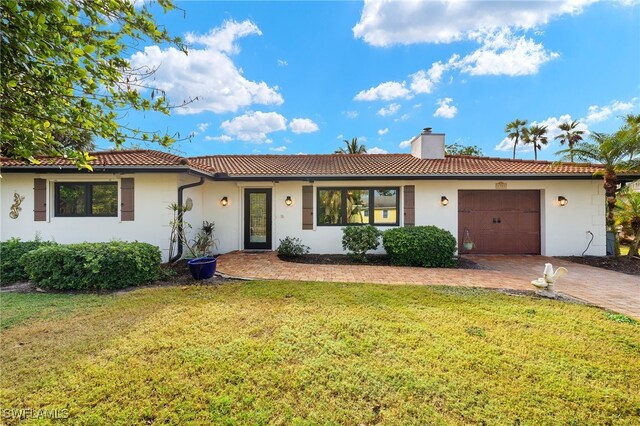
point(127, 197)
point(307, 207)
point(409, 205)
point(39, 200)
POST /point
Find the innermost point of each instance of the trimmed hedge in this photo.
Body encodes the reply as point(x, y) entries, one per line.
point(360, 239)
point(93, 266)
point(10, 253)
point(427, 246)
point(291, 247)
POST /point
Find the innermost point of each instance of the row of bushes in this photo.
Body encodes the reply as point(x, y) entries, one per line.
point(426, 246)
point(85, 266)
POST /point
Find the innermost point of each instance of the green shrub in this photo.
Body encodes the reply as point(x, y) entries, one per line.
point(359, 239)
point(93, 266)
point(10, 253)
point(427, 246)
point(290, 248)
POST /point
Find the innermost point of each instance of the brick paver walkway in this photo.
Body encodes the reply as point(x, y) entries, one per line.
point(611, 290)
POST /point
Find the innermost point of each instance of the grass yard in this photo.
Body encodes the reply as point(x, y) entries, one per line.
point(317, 353)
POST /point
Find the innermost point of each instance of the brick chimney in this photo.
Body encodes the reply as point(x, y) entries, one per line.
point(428, 145)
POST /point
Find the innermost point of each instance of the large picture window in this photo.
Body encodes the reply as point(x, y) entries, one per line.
point(76, 199)
point(358, 206)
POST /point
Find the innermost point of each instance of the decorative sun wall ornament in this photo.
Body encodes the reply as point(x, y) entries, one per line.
point(15, 210)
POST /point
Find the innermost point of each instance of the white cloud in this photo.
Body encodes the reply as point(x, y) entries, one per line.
point(221, 138)
point(278, 148)
point(384, 91)
point(362, 139)
point(403, 117)
point(596, 114)
point(390, 110)
point(207, 72)
point(502, 53)
point(445, 109)
point(405, 144)
point(340, 137)
point(351, 114)
point(425, 81)
point(420, 82)
point(303, 125)
point(383, 131)
point(254, 126)
point(282, 63)
point(376, 150)
point(385, 23)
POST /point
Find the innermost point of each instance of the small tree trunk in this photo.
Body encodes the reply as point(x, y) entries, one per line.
point(633, 249)
point(610, 185)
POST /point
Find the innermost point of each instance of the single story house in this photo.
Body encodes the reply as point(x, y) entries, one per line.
point(503, 206)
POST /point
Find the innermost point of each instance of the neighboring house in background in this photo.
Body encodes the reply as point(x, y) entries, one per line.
point(635, 185)
point(507, 206)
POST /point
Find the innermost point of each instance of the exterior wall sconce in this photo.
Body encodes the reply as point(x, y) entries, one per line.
point(288, 201)
point(444, 200)
point(562, 201)
point(224, 201)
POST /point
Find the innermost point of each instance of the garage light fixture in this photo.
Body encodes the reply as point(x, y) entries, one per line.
point(224, 201)
point(562, 201)
point(288, 201)
point(444, 200)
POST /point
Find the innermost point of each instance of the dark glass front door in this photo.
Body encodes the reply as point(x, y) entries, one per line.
point(257, 219)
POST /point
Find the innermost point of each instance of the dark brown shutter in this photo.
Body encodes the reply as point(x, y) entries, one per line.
point(307, 207)
point(127, 199)
point(39, 200)
point(409, 205)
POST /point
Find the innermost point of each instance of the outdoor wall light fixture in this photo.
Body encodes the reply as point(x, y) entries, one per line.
point(444, 200)
point(224, 201)
point(562, 201)
point(288, 201)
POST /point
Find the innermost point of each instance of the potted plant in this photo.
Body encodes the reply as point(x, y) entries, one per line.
point(203, 264)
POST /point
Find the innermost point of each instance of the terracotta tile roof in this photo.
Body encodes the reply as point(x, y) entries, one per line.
point(317, 165)
point(124, 159)
point(382, 165)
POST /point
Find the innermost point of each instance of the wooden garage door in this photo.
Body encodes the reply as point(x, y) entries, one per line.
point(500, 222)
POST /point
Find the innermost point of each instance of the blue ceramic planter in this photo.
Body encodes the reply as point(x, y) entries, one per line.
point(202, 268)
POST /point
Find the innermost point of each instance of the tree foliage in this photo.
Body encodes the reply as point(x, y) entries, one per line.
point(65, 75)
point(628, 217)
point(459, 149)
point(352, 147)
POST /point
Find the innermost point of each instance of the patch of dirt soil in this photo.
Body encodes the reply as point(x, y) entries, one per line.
point(372, 259)
point(626, 264)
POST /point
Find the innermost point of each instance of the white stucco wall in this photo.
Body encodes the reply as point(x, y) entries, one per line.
point(563, 229)
point(153, 193)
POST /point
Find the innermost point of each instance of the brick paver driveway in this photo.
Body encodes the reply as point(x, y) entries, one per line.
point(608, 289)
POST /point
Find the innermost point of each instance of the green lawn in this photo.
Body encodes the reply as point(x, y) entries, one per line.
point(317, 353)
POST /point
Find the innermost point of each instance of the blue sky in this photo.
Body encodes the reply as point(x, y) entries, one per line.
point(299, 77)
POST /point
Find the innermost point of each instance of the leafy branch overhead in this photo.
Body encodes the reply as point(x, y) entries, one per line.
point(64, 72)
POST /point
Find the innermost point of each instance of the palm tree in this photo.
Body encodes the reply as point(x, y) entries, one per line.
point(613, 154)
point(536, 135)
point(631, 132)
point(628, 216)
point(571, 135)
point(514, 131)
point(352, 147)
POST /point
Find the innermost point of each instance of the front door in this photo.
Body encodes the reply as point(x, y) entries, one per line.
point(257, 219)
